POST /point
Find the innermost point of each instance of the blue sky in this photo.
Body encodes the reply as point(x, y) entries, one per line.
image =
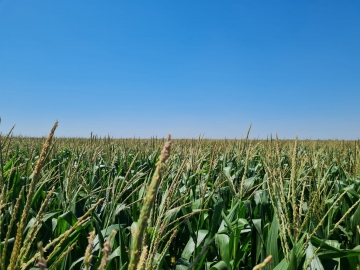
point(147, 68)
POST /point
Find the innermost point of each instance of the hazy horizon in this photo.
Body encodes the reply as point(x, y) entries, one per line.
point(201, 136)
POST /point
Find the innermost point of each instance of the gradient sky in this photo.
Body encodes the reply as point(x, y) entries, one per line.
point(211, 68)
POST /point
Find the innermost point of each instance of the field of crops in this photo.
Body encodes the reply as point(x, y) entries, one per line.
point(102, 203)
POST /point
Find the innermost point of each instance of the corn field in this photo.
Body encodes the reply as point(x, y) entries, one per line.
point(103, 203)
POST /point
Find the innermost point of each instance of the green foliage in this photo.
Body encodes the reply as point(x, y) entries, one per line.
point(225, 204)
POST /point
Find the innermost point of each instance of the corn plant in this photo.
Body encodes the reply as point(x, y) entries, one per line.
point(105, 203)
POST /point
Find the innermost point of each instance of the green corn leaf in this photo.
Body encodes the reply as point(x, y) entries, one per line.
point(272, 242)
point(222, 242)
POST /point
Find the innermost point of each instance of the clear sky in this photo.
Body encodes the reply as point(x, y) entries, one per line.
point(147, 68)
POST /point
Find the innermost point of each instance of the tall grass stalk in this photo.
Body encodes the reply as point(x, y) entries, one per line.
point(148, 202)
point(35, 176)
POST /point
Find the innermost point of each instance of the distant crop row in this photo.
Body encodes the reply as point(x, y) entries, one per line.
point(103, 203)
